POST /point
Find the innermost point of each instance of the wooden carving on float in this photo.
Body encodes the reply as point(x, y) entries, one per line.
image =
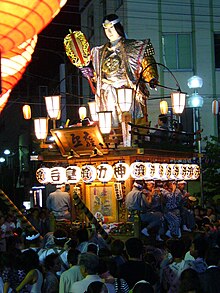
point(79, 140)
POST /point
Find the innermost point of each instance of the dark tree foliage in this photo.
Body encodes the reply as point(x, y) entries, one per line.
point(211, 166)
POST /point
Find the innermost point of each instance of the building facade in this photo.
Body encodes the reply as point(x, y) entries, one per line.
point(186, 38)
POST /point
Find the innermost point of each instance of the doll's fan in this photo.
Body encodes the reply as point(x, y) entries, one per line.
point(77, 49)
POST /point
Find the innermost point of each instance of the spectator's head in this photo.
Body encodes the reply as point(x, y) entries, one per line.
point(142, 287)
point(199, 246)
point(117, 247)
point(30, 260)
point(72, 256)
point(138, 184)
point(162, 119)
point(52, 262)
point(97, 287)
point(89, 263)
point(189, 282)
point(134, 247)
point(212, 256)
point(60, 237)
point(93, 248)
point(82, 235)
point(176, 247)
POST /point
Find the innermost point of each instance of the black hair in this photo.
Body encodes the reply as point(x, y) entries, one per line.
point(118, 26)
point(95, 287)
point(134, 247)
point(163, 118)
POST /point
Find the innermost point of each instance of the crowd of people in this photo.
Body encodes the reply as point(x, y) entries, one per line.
point(80, 261)
point(167, 209)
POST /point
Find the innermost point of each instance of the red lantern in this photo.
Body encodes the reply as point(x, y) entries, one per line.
point(15, 62)
point(21, 20)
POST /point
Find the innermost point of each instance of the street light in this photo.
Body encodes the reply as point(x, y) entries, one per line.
point(195, 101)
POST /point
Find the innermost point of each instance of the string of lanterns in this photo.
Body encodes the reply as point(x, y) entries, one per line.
point(120, 171)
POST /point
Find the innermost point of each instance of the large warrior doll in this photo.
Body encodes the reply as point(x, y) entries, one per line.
point(120, 63)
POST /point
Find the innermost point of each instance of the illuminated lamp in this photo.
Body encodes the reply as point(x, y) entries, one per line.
point(162, 171)
point(148, 175)
point(73, 174)
point(21, 20)
point(58, 175)
point(43, 175)
point(53, 107)
point(189, 172)
point(104, 172)
point(26, 109)
point(195, 101)
point(93, 111)
point(82, 113)
point(163, 107)
point(178, 101)
point(195, 82)
point(41, 127)
point(4, 99)
point(215, 107)
point(176, 170)
point(168, 172)
point(88, 173)
point(105, 121)
point(13, 66)
point(121, 171)
point(125, 98)
point(184, 171)
point(138, 170)
point(196, 172)
point(157, 171)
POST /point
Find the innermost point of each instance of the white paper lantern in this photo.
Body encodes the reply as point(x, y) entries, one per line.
point(73, 174)
point(43, 175)
point(121, 171)
point(58, 175)
point(215, 107)
point(104, 172)
point(196, 171)
point(148, 175)
point(88, 173)
point(138, 170)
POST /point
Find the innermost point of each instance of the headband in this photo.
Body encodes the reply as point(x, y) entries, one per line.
point(110, 24)
point(32, 237)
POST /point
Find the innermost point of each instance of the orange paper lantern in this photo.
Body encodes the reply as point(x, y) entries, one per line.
point(21, 20)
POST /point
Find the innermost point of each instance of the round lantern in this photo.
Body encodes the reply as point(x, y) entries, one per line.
point(163, 107)
point(88, 173)
point(73, 174)
point(104, 172)
point(21, 20)
point(189, 172)
point(121, 171)
point(58, 175)
point(43, 175)
point(215, 107)
point(26, 109)
point(138, 170)
point(149, 168)
point(156, 168)
point(177, 171)
point(14, 63)
point(184, 171)
point(196, 172)
point(4, 99)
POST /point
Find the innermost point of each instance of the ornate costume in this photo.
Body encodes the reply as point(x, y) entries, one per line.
point(119, 64)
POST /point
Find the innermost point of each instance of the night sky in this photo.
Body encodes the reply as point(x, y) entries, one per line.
point(42, 71)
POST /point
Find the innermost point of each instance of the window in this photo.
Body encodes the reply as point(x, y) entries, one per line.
point(217, 50)
point(177, 51)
